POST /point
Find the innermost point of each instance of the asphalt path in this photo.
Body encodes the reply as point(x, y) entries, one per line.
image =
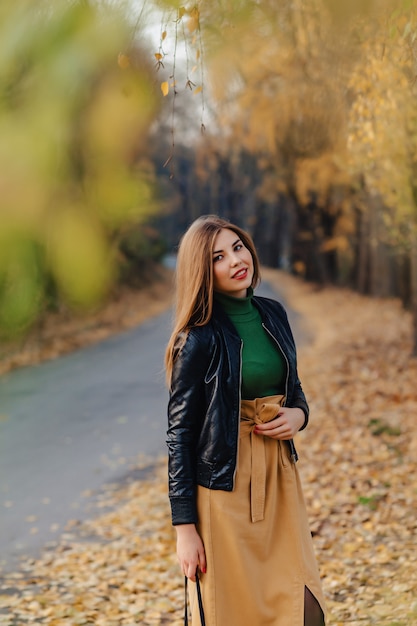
point(71, 426)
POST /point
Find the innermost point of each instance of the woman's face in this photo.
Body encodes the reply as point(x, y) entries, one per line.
point(232, 264)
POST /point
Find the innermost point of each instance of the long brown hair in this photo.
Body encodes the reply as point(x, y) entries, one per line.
point(194, 276)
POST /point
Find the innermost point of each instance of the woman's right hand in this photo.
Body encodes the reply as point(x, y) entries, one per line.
point(190, 550)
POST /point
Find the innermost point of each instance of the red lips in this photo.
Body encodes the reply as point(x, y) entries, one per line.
point(240, 274)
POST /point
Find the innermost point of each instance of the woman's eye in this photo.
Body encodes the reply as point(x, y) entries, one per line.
point(238, 247)
point(217, 258)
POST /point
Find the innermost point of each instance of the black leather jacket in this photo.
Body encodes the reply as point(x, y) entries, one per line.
point(204, 404)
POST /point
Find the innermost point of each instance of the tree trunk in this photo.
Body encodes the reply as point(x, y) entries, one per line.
point(374, 268)
point(284, 229)
point(316, 229)
point(413, 279)
point(362, 261)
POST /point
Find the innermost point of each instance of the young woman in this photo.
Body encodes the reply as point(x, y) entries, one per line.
point(235, 405)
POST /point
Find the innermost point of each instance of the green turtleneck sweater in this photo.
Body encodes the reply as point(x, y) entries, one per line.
point(263, 365)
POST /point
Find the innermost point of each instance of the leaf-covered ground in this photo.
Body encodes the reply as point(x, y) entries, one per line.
point(357, 461)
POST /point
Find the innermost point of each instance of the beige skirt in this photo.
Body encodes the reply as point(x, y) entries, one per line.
point(257, 540)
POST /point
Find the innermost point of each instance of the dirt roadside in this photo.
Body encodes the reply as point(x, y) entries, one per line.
point(63, 332)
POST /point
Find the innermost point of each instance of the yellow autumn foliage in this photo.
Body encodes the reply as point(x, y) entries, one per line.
point(74, 107)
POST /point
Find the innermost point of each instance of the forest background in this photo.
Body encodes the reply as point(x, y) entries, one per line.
point(123, 121)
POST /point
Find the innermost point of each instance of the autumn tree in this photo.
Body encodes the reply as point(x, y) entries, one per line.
point(76, 102)
point(321, 93)
point(383, 133)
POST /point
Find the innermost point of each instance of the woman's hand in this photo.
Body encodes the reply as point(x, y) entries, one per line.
point(190, 550)
point(285, 426)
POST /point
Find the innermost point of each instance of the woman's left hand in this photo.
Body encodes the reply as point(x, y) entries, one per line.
point(285, 426)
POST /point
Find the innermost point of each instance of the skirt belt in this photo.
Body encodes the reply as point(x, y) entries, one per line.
point(258, 411)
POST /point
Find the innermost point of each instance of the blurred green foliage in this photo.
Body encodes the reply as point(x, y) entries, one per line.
point(139, 247)
point(75, 110)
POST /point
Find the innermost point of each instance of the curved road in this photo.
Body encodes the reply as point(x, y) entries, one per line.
point(71, 425)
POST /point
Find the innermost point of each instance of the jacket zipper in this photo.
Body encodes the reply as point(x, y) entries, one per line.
point(293, 451)
point(238, 417)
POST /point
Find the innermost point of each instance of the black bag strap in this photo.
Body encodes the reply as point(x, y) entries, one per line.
point(200, 601)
